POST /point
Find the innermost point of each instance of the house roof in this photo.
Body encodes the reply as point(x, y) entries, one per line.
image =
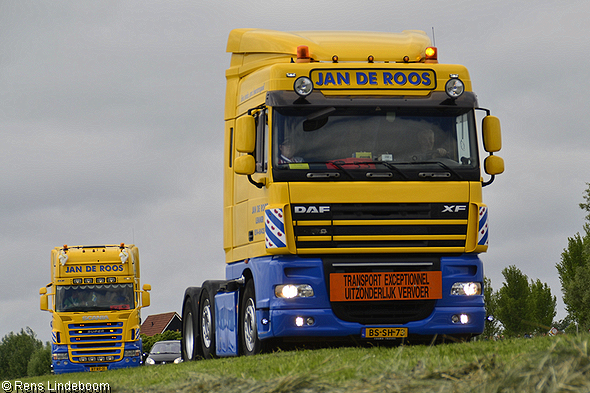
point(158, 323)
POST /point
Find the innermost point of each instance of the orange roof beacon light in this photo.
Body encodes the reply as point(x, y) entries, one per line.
point(431, 55)
point(303, 54)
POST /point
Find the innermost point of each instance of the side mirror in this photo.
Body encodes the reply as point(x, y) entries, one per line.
point(145, 295)
point(492, 135)
point(44, 302)
point(245, 165)
point(245, 134)
point(494, 165)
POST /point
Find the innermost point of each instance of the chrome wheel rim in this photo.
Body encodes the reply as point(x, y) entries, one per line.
point(250, 325)
point(188, 335)
point(206, 324)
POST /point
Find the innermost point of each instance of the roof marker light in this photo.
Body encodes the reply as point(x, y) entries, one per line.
point(371, 59)
point(335, 59)
point(303, 54)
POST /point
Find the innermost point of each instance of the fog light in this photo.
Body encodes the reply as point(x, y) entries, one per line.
point(310, 321)
point(299, 321)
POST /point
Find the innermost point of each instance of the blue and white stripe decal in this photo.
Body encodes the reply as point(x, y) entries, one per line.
point(274, 228)
point(482, 238)
point(53, 337)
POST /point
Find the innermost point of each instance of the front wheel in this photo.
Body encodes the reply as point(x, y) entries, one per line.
point(249, 342)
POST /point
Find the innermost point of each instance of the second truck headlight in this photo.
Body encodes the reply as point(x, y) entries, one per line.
point(290, 291)
point(466, 288)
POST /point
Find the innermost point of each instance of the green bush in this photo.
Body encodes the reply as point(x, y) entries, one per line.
point(148, 342)
point(40, 363)
point(16, 351)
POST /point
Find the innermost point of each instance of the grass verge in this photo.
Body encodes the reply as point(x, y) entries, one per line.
point(543, 364)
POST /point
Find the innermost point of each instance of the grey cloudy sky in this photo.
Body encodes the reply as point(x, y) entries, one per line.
point(111, 121)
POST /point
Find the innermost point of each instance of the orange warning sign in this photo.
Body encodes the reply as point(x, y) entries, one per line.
point(347, 287)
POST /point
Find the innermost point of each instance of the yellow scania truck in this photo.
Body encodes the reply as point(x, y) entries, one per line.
point(352, 195)
point(95, 299)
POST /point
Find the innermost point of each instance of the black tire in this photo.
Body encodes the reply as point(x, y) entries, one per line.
point(191, 347)
point(250, 344)
point(207, 324)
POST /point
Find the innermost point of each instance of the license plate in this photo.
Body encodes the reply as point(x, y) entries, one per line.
point(382, 333)
point(98, 368)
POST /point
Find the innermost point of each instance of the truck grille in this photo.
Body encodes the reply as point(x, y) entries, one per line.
point(381, 225)
point(381, 312)
point(96, 342)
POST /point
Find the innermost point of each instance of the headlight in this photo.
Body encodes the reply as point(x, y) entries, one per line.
point(178, 360)
point(60, 356)
point(466, 288)
point(454, 87)
point(289, 291)
point(149, 361)
point(131, 352)
point(303, 86)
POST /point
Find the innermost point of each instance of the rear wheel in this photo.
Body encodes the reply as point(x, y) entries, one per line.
point(191, 349)
point(249, 342)
point(207, 325)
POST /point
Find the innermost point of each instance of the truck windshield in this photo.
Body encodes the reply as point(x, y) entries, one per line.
point(374, 137)
point(99, 297)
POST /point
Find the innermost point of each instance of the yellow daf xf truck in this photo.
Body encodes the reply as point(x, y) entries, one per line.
point(95, 298)
point(353, 184)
